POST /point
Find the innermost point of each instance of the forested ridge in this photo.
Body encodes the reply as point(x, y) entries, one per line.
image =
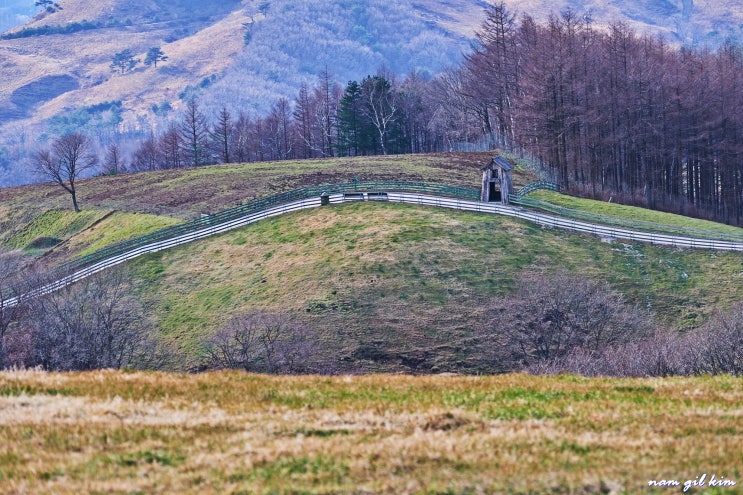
point(615, 114)
point(611, 114)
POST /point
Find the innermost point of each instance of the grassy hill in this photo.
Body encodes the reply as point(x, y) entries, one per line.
point(405, 288)
point(387, 287)
point(111, 432)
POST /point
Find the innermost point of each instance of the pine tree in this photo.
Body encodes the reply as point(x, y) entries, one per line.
point(124, 61)
point(154, 55)
point(348, 120)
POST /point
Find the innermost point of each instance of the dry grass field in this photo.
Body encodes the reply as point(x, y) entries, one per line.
point(124, 433)
point(188, 192)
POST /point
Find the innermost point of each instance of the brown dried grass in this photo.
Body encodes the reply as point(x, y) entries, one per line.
point(230, 432)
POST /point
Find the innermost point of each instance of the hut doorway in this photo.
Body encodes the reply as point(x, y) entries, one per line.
point(494, 195)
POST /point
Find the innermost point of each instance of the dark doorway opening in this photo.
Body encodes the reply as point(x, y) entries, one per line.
point(494, 195)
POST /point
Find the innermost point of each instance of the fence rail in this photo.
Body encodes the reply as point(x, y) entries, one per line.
point(534, 186)
point(310, 197)
point(258, 205)
point(629, 224)
point(552, 221)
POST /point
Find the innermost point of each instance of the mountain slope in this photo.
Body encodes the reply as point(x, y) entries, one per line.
point(246, 54)
point(690, 22)
point(288, 44)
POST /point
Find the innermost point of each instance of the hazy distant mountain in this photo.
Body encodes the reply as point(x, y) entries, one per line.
point(693, 23)
point(247, 52)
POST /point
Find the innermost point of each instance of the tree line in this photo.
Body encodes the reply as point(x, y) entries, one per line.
point(614, 114)
point(377, 115)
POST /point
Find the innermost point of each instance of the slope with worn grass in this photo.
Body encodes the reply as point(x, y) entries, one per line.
point(406, 288)
point(175, 195)
point(111, 432)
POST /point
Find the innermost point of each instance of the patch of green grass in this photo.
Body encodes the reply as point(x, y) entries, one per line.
point(631, 212)
point(320, 468)
point(15, 390)
point(149, 267)
point(320, 433)
point(118, 227)
point(57, 224)
point(139, 458)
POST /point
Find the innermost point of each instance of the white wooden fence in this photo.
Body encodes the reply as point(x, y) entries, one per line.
point(545, 220)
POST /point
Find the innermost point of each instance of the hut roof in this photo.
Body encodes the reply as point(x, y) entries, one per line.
point(500, 162)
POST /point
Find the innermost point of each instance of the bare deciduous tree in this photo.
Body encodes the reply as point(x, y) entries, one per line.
point(380, 106)
point(304, 123)
point(662, 354)
point(70, 156)
point(147, 156)
point(261, 342)
point(279, 130)
point(12, 285)
point(715, 348)
point(194, 130)
point(221, 136)
point(551, 316)
point(718, 347)
point(241, 145)
point(113, 161)
point(327, 96)
point(170, 148)
point(92, 324)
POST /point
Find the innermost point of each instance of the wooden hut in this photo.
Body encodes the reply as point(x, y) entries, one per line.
point(496, 181)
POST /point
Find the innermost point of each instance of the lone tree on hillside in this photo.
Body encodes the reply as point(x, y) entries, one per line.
point(69, 157)
point(124, 61)
point(155, 55)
